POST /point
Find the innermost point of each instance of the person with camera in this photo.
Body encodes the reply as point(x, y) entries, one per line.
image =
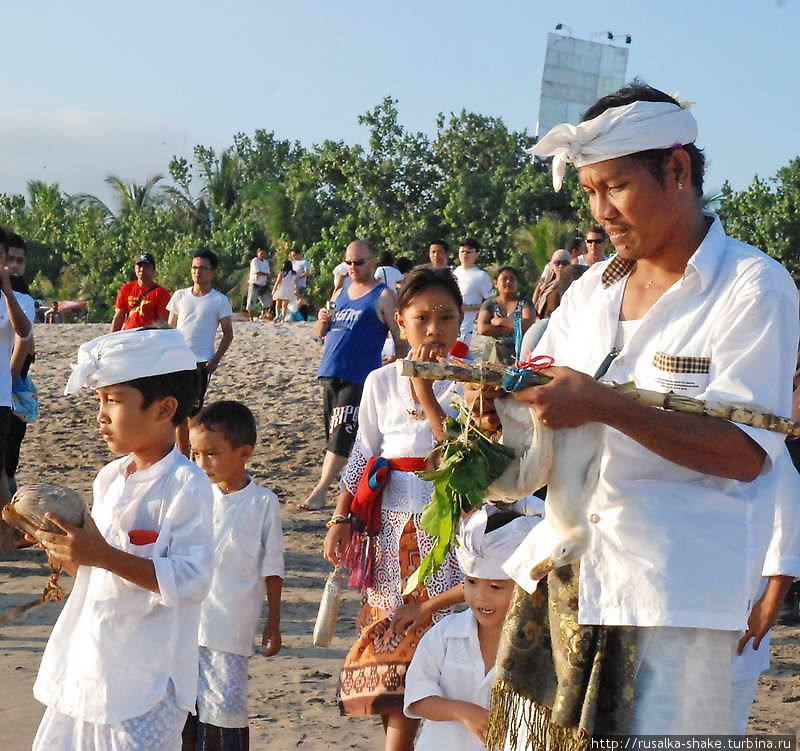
point(355, 325)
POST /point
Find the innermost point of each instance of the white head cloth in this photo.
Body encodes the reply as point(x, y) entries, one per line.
point(482, 554)
point(617, 132)
point(125, 355)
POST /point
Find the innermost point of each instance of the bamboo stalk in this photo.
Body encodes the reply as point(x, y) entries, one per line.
point(493, 376)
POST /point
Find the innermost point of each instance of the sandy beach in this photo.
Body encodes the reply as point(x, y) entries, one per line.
point(271, 368)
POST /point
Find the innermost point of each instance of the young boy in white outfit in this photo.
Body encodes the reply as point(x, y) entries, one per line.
point(249, 559)
point(120, 667)
point(451, 675)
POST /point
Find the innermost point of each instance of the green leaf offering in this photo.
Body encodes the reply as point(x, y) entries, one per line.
point(467, 464)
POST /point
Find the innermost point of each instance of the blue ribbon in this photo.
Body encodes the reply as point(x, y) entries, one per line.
point(380, 463)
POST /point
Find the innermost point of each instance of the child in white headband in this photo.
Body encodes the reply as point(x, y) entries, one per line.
point(450, 678)
point(120, 667)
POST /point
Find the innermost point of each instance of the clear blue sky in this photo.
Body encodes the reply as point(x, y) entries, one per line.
point(92, 88)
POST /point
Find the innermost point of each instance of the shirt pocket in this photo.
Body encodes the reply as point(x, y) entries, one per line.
point(687, 375)
point(240, 552)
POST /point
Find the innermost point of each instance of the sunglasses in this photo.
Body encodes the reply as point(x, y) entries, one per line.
point(594, 242)
point(359, 262)
point(560, 263)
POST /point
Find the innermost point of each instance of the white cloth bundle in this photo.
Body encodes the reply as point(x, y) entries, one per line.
point(126, 355)
point(480, 553)
point(619, 131)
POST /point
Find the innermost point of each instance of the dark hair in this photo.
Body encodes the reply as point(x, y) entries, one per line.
point(573, 244)
point(208, 255)
point(568, 275)
point(182, 384)
point(469, 242)
point(500, 519)
point(3, 238)
point(638, 91)
point(510, 269)
point(440, 242)
point(597, 230)
point(232, 419)
point(287, 267)
point(425, 277)
point(403, 265)
point(386, 258)
point(13, 240)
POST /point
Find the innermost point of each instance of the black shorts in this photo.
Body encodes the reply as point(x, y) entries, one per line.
point(203, 377)
point(14, 436)
point(341, 400)
point(5, 419)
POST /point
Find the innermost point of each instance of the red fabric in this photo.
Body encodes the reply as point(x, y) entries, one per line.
point(150, 308)
point(460, 349)
point(142, 536)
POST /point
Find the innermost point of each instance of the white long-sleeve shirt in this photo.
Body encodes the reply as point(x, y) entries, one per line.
point(448, 663)
point(248, 546)
point(671, 546)
point(116, 646)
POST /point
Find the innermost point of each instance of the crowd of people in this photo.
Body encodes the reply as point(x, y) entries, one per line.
point(689, 541)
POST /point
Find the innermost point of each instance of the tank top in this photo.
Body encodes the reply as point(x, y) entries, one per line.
point(355, 339)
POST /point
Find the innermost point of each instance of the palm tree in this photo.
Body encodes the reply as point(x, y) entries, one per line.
point(131, 197)
point(540, 239)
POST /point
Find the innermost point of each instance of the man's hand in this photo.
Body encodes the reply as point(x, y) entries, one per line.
point(475, 718)
point(765, 612)
point(408, 617)
point(570, 399)
point(77, 546)
point(271, 639)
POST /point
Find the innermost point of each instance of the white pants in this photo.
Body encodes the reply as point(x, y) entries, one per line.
point(683, 684)
point(159, 729)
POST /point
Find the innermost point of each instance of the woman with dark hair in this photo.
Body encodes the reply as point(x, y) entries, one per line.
point(387, 272)
point(285, 289)
point(497, 317)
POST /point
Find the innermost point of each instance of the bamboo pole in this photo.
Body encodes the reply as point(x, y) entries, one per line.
point(489, 375)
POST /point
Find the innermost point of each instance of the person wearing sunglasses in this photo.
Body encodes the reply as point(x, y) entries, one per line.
point(354, 324)
point(596, 243)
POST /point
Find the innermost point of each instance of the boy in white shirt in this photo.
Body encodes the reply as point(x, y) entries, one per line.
point(120, 667)
point(197, 312)
point(451, 675)
point(475, 285)
point(249, 558)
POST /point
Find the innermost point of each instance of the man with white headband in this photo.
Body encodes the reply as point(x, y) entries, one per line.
point(682, 513)
point(120, 668)
point(451, 674)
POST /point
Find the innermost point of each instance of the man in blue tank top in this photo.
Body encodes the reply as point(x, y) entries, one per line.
point(354, 335)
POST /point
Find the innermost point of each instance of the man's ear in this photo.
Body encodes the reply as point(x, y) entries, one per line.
point(681, 165)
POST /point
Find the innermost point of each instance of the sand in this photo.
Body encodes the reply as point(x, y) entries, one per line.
point(271, 368)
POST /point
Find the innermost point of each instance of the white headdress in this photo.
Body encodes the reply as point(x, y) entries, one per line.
point(482, 554)
point(617, 132)
point(125, 355)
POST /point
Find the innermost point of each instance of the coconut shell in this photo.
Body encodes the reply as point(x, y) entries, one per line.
point(29, 505)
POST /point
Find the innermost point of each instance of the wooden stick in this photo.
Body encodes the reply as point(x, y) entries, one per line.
point(490, 375)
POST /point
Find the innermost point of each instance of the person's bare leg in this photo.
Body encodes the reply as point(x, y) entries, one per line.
point(6, 534)
point(332, 465)
point(182, 437)
point(400, 732)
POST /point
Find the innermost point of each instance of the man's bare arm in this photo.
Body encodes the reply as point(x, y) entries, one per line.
point(117, 320)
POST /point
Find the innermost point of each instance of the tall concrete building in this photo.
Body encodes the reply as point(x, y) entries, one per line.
point(576, 74)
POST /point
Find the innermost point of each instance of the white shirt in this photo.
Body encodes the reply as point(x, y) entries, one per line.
point(116, 646)
point(448, 663)
point(671, 546)
point(299, 266)
point(386, 427)
point(390, 276)
point(7, 334)
point(248, 546)
point(198, 319)
point(341, 270)
point(256, 265)
point(476, 286)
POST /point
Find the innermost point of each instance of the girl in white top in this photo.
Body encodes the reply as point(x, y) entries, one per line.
point(120, 667)
point(399, 418)
point(249, 559)
point(285, 289)
point(450, 678)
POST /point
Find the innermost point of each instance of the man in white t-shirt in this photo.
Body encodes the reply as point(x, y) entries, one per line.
point(258, 283)
point(16, 314)
point(475, 285)
point(340, 276)
point(197, 312)
point(301, 267)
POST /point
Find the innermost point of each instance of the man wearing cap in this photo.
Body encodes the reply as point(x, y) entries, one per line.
point(141, 303)
point(682, 511)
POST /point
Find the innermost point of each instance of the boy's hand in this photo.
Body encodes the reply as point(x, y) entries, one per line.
point(271, 639)
point(475, 718)
point(77, 546)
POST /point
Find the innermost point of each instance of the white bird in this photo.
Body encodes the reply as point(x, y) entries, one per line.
point(567, 460)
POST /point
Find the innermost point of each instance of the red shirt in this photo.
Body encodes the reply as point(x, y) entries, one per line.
point(142, 309)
